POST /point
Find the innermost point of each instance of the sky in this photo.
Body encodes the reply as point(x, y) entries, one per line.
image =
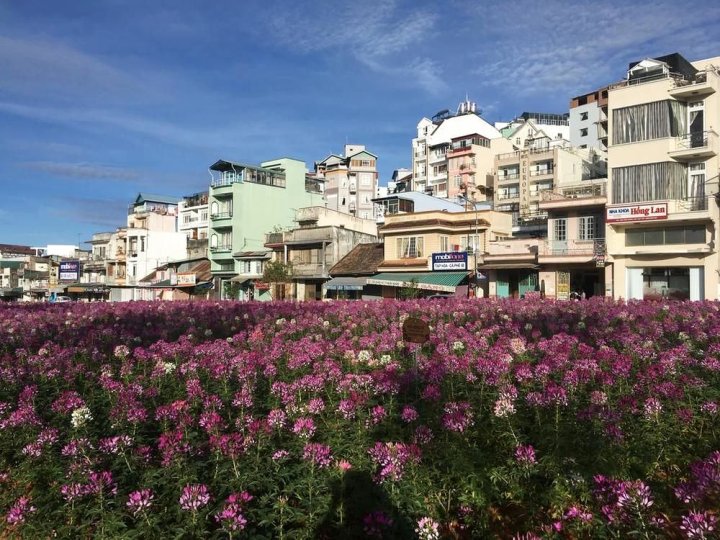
point(103, 99)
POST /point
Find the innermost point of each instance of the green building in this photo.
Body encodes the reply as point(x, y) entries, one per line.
point(245, 203)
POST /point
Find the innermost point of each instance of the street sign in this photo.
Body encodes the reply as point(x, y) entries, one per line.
point(415, 330)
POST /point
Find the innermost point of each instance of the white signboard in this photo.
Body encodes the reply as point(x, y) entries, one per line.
point(636, 212)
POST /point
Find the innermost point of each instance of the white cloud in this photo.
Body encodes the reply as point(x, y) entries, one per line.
point(572, 47)
point(376, 33)
point(87, 171)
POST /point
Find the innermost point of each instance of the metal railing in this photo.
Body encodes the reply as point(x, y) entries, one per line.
point(572, 247)
point(692, 204)
point(578, 191)
point(699, 139)
point(542, 172)
point(221, 215)
point(511, 195)
point(507, 177)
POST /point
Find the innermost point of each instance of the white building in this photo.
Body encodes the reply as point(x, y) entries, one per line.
point(434, 140)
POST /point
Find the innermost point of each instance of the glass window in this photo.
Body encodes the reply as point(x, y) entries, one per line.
point(675, 236)
point(443, 243)
point(410, 247)
point(560, 229)
point(695, 235)
point(654, 237)
point(634, 237)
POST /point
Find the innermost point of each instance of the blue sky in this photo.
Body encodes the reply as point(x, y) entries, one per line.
point(102, 99)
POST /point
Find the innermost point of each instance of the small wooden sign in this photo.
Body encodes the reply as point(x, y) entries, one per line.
point(415, 330)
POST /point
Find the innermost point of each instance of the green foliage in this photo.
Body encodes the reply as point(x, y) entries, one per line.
point(277, 272)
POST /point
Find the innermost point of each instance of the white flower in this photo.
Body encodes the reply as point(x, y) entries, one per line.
point(168, 367)
point(458, 346)
point(364, 356)
point(80, 417)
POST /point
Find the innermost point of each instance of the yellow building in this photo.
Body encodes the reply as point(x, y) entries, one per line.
point(412, 239)
point(662, 221)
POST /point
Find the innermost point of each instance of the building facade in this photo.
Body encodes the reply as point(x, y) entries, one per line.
point(589, 120)
point(246, 202)
point(662, 222)
point(351, 181)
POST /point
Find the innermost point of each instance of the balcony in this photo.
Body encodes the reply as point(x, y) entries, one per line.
point(508, 177)
point(577, 251)
point(353, 187)
point(309, 270)
point(274, 239)
point(704, 84)
point(529, 219)
point(542, 172)
point(502, 196)
point(693, 146)
point(574, 196)
point(221, 215)
point(224, 248)
point(312, 235)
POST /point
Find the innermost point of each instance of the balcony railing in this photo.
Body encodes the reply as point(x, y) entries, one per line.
point(511, 195)
point(221, 215)
point(578, 191)
point(529, 219)
point(300, 269)
point(221, 248)
point(541, 172)
point(274, 238)
point(508, 177)
point(692, 204)
point(564, 248)
point(700, 139)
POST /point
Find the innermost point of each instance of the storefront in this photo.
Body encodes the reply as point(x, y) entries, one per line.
point(420, 284)
point(659, 283)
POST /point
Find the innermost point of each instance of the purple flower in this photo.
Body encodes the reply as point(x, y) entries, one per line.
point(230, 517)
point(18, 512)
point(698, 524)
point(391, 458)
point(140, 501)
point(304, 427)
point(375, 523)
point(458, 416)
point(194, 497)
point(318, 454)
point(409, 414)
point(525, 455)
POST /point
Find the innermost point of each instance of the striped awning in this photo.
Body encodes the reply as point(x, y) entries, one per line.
point(429, 281)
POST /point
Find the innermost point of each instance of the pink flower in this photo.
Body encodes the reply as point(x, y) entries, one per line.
point(409, 414)
point(318, 454)
point(140, 501)
point(304, 427)
point(344, 465)
point(230, 517)
point(525, 455)
point(194, 497)
point(18, 512)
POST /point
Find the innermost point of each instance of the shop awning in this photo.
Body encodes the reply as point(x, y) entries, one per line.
point(242, 279)
point(346, 284)
point(509, 266)
point(429, 281)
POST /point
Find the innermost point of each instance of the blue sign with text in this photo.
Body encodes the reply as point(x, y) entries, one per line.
point(451, 260)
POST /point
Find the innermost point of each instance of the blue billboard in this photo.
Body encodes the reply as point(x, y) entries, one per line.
point(69, 271)
point(450, 260)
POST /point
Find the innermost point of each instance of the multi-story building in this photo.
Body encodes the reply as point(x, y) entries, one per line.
point(521, 177)
point(151, 237)
point(193, 217)
point(321, 238)
point(663, 159)
point(411, 239)
point(406, 202)
point(531, 125)
point(589, 120)
point(572, 257)
point(246, 202)
point(466, 135)
point(351, 180)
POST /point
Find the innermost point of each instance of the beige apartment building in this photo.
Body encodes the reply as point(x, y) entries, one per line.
point(351, 181)
point(662, 218)
point(521, 177)
point(411, 240)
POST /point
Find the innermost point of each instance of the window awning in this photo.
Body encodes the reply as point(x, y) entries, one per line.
point(429, 281)
point(346, 284)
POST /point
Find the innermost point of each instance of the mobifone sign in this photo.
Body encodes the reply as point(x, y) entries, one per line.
point(450, 260)
point(69, 271)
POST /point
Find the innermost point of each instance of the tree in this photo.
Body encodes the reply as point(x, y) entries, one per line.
point(411, 290)
point(278, 273)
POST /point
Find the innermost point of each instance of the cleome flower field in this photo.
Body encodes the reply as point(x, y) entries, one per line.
point(517, 419)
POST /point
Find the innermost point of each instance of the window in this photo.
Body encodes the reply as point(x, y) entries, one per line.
point(589, 227)
point(226, 266)
point(584, 132)
point(649, 121)
point(650, 182)
point(410, 247)
point(458, 180)
point(583, 116)
point(247, 267)
point(142, 244)
point(471, 243)
point(694, 234)
point(443, 243)
point(560, 230)
point(203, 215)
